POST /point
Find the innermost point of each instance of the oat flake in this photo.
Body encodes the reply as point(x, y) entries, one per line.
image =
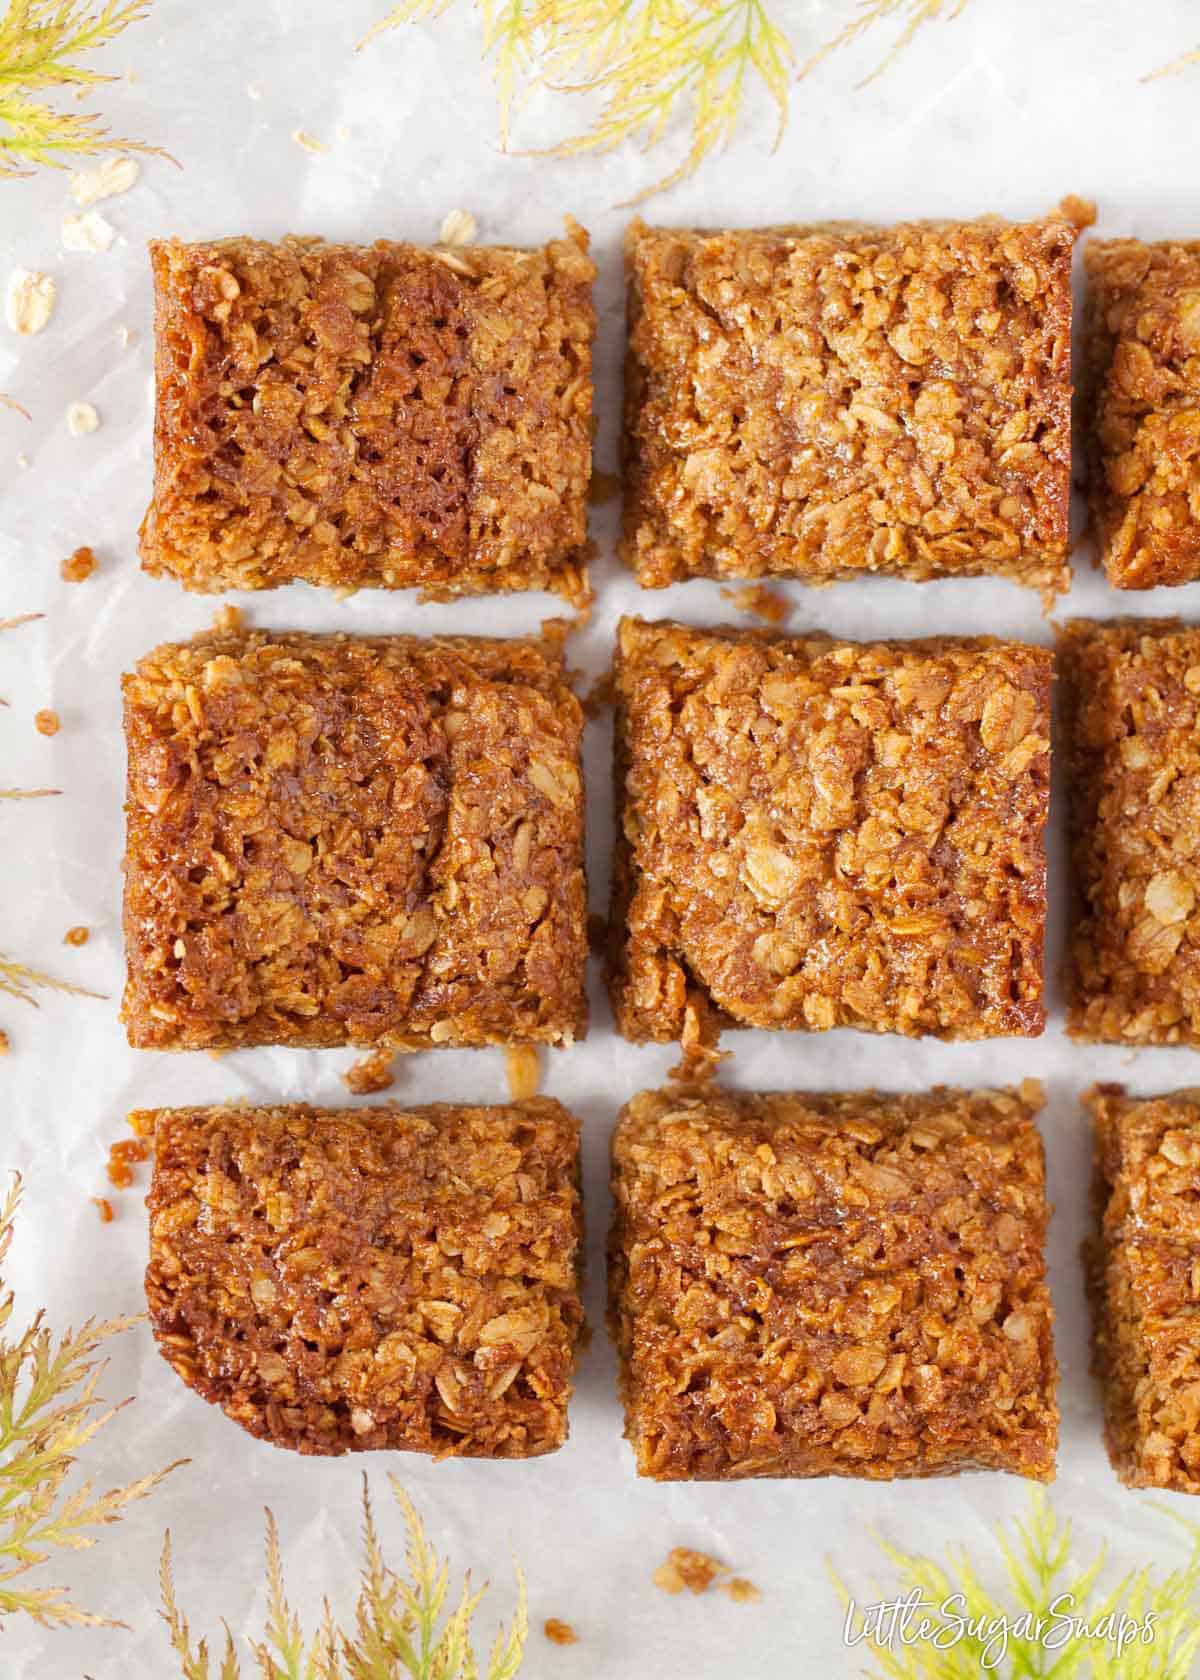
point(81, 419)
point(29, 301)
point(112, 176)
point(89, 232)
point(459, 228)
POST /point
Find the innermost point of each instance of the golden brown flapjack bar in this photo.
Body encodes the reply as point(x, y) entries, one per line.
point(1131, 705)
point(820, 834)
point(337, 840)
point(372, 415)
point(341, 1280)
point(825, 401)
point(853, 1285)
point(1142, 378)
point(1144, 1280)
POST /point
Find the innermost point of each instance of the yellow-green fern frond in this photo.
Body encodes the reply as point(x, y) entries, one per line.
point(1021, 1632)
point(912, 15)
point(652, 62)
point(49, 1414)
point(703, 59)
point(402, 1629)
point(17, 979)
point(41, 43)
point(1186, 61)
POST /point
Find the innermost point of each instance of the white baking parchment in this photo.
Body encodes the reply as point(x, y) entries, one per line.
point(1006, 108)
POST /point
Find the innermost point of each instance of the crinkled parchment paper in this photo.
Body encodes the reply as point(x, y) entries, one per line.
point(1005, 109)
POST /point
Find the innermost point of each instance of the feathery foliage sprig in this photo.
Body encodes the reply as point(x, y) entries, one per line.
point(912, 16)
point(41, 42)
point(1036, 1555)
point(20, 981)
point(49, 1414)
point(1186, 61)
point(17, 979)
point(21, 793)
point(646, 60)
point(402, 1629)
point(13, 624)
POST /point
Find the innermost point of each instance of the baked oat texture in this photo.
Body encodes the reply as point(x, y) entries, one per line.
point(372, 415)
point(820, 834)
point(374, 841)
point(342, 1280)
point(1131, 711)
point(1143, 1268)
point(844, 1285)
point(1142, 376)
point(825, 401)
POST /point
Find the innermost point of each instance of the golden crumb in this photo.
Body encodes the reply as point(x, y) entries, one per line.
point(700, 1056)
point(603, 488)
point(123, 1156)
point(309, 142)
point(600, 696)
point(740, 1590)
point(76, 936)
point(5, 1043)
point(228, 620)
point(105, 1208)
point(685, 1568)
point(764, 603)
point(47, 722)
point(78, 566)
point(1080, 212)
point(524, 1074)
point(375, 1072)
point(559, 1633)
